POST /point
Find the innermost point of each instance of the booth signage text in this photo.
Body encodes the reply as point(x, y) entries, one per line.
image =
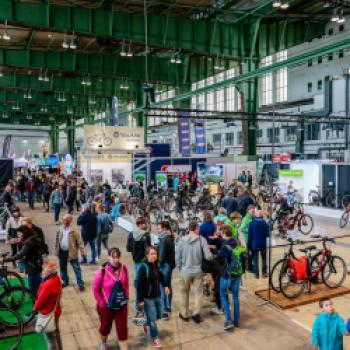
point(178, 168)
point(291, 173)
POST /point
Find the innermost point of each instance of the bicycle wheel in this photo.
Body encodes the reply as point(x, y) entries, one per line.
point(275, 275)
point(345, 201)
point(330, 201)
point(10, 319)
point(334, 272)
point(305, 224)
point(10, 279)
point(289, 287)
point(107, 141)
point(21, 300)
point(344, 219)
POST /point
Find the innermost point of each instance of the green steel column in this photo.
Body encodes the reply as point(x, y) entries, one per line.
point(71, 136)
point(140, 102)
point(54, 139)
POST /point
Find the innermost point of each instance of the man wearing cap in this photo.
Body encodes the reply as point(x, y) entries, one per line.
point(68, 245)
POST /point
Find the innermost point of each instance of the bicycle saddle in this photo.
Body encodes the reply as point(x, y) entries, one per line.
point(309, 248)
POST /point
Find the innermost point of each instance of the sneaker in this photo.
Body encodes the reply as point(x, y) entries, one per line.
point(265, 275)
point(196, 318)
point(165, 316)
point(81, 288)
point(156, 343)
point(183, 318)
point(103, 346)
point(228, 325)
point(216, 311)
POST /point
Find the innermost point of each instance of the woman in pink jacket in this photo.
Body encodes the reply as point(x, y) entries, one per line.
point(104, 282)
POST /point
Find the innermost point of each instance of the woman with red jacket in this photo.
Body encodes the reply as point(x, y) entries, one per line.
point(47, 304)
point(103, 284)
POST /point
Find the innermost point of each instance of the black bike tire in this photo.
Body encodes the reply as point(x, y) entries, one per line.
point(343, 222)
point(16, 306)
point(273, 271)
point(325, 281)
point(289, 296)
point(16, 276)
point(18, 325)
point(299, 223)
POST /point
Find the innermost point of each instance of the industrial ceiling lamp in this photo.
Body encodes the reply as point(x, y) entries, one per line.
point(88, 81)
point(276, 4)
point(73, 44)
point(130, 54)
point(41, 78)
point(46, 78)
point(83, 82)
point(341, 18)
point(6, 36)
point(284, 5)
point(335, 15)
point(29, 95)
point(29, 117)
point(65, 43)
point(1, 73)
point(178, 59)
point(172, 59)
point(123, 52)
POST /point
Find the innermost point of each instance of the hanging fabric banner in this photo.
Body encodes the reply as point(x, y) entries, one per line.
point(115, 111)
point(6, 146)
point(199, 132)
point(108, 114)
point(184, 136)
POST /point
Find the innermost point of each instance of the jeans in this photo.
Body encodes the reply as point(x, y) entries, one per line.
point(92, 245)
point(137, 304)
point(256, 261)
point(31, 199)
point(63, 268)
point(34, 280)
point(56, 210)
point(166, 299)
point(102, 239)
point(106, 203)
point(153, 311)
point(224, 285)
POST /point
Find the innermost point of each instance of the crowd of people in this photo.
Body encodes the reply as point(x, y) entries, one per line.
point(211, 258)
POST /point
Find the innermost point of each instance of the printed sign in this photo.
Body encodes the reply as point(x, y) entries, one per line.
point(176, 168)
point(161, 180)
point(291, 173)
point(184, 136)
point(140, 176)
point(281, 158)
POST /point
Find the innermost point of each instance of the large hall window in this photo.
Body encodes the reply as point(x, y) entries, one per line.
point(216, 139)
point(229, 138)
point(281, 78)
point(335, 132)
point(312, 132)
point(277, 135)
point(290, 134)
point(266, 83)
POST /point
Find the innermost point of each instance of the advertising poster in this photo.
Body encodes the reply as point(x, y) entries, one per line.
point(161, 180)
point(292, 179)
point(199, 132)
point(96, 175)
point(210, 173)
point(184, 136)
point(118, 175)
point(140, 176)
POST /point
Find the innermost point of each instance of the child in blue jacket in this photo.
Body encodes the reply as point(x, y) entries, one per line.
point(329, 328)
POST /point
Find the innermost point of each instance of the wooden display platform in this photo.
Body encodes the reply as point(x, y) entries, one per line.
point(318, 291)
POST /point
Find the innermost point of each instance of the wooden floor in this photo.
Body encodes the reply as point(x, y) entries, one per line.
point(262, 326)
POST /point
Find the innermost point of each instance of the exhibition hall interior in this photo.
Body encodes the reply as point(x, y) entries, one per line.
point(174, 174)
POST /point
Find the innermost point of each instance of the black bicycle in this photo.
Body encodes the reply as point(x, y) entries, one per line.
point(10, 320)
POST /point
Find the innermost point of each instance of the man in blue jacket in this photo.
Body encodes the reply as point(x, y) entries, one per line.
point(88, 222)
point(258, 231)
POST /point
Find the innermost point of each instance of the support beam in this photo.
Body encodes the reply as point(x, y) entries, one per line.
point(71, 137)
point(54, 139)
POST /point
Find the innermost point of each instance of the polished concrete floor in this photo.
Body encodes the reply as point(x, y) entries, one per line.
point(262, 325)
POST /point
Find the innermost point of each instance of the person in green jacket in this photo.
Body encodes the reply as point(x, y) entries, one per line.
point(234, 223)
point(221, 218)
point(248, 218)
point(328, 328)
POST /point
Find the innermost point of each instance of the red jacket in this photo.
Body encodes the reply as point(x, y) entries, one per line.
point(49, 290)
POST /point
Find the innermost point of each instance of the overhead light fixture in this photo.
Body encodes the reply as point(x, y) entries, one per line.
point(41, 78)
point(1, 73)
point(4, 116)
point(29, 117)
point(83, 82)
point(122, 51)
point(341, 18)
point(173, 59)
point(335, 16)
point(73, 44)
point(276, 4)
point(51, 119)
point(129, 54)
point(326, 4)
point(88, 81)
point(284, 5)
point(29, 95)
point(6, 36)
point(178, 60)
point(65, 43)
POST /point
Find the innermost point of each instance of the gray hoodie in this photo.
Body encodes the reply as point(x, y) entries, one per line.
point(189, 253)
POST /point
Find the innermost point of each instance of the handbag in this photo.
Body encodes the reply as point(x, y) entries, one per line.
point(207, 265)
point(42, 321)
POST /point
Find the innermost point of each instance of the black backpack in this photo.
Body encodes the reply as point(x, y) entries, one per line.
point(107, 226)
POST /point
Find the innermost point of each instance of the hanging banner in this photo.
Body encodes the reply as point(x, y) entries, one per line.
point(184, 136)
point(161, 180)
point(199, 133)
point(108, 114)
point(115, 111)
point(140, 176)
point(6, 146)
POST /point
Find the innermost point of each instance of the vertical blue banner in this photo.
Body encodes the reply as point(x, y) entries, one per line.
point(184, 136)
point(115, 111)
point(6, 146)
point(108, 114)
point(199, 133)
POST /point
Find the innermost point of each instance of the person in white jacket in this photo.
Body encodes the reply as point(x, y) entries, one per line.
point(12, 224)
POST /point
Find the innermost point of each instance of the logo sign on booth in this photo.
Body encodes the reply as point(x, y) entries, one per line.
point(161, 180)
point(176, 168)
point(281, 158)
point(291, 173)
point(111, 137)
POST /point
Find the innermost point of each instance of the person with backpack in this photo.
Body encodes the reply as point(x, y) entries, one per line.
point(26, 221)
point(232, 269)
point(104, 228)
point(138, 241)
point(258, 232)
point(148, 284)
point(166, 249)
point(111, 292)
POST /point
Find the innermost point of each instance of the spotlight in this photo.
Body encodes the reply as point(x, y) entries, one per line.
point(73, 44)
point(335, 16)
point(178, 60)
point(173, 59)
point(284, 5)
point(65, 43)
point(1, 74)
point(129, 54)
point(123, 52)
point(341, 18)
point(6, 36)
point(276, 4)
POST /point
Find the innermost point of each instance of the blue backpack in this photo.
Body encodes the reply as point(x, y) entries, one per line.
point(117, 300)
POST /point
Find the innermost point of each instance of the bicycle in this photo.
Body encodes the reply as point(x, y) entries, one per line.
point(10, 319)
point(345, 201)
point(328, 199)
point(5, 213)
point(9, 278)
point(344, 218)
point(323, 264)
point(99, 139)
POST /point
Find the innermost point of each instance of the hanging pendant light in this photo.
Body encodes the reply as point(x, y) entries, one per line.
point(73, 44)
point(65, 43)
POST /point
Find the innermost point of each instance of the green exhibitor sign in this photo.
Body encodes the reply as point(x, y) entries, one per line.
point(291, 173)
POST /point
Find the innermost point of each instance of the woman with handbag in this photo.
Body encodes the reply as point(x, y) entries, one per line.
point(47, 304)
point(111, 291)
